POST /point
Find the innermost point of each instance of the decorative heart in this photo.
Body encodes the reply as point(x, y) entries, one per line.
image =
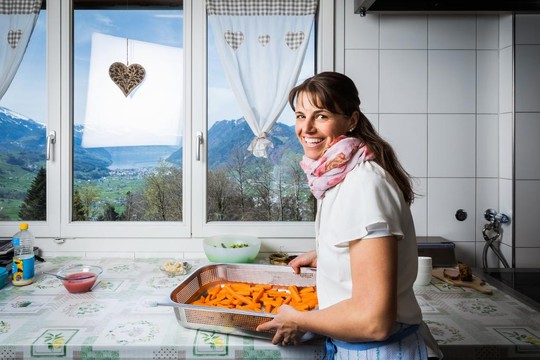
point(264, 39)
point(234, 38)
point(294, 39)
point(13, 38)
point(126, 77)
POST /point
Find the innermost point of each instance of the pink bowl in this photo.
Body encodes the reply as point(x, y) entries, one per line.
point(79, 278)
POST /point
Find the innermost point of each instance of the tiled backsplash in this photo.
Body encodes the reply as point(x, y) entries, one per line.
point(440, 89)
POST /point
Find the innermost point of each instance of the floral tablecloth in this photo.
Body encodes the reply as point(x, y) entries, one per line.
point(118, 319)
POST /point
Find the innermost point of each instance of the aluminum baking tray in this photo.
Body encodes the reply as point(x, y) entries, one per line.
point(230, 321)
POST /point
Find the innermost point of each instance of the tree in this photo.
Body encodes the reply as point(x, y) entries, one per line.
point(34, 206)
point(220, 197)
point(261, 181)
point(163, 193)
point(78, 207)
point(109, 213)
point(236, 167)
point(88, 196)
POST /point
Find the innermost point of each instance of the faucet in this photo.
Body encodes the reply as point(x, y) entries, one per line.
point(491, 233)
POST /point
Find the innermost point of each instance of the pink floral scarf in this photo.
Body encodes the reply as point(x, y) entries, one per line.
point(343, 154)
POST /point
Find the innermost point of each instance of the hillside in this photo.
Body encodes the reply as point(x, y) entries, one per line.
point(22, 142)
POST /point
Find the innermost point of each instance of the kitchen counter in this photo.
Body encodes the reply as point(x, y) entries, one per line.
point(118, 319)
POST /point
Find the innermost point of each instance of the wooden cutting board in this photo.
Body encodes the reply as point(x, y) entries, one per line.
point(476, 283)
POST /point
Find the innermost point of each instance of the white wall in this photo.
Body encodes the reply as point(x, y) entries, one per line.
point(432, 84)
point(527, 142)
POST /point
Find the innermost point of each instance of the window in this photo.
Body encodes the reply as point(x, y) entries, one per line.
point(23, 132)
point(118, 173)
point(240, 185)
point(127, 111)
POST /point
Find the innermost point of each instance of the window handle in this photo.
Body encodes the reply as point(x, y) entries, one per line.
point(51, 140)
point(199, 142)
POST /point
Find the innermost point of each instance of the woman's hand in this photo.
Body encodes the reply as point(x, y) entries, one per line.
point(287, 330)
point(306, 259)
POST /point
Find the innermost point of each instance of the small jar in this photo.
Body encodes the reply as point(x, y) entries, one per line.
point(425, 268)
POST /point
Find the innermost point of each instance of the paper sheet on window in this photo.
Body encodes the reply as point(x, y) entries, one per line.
point(151, 113)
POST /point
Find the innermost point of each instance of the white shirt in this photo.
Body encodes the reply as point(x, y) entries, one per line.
point(367, 198)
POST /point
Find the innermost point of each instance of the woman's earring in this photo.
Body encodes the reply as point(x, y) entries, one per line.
point(351, 129)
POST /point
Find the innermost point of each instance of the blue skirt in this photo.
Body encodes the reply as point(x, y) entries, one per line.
point(404, 344)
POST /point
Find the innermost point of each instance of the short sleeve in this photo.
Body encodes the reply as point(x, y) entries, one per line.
point(367, 196)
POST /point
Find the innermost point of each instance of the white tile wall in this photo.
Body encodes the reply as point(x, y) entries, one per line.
point(446, 196)
point(527, 127)
point(526, 221)
point(403, 31)
point(506, 145)
point(487, 81)
point(362, 66)
point(505, 31)
point(443, 87)
point(506, 81)
point(527, 80)
point(487, 32)
point(452, 81)
point(439, 84)
point(527, 146)
point(451, 145)
point(452, 32)
point(361, 32)
point(419, 206)
point(527, 29)
point(505, 206)
point(487, 146)
point(487, 197)
point(403, 79)
point(407, 133)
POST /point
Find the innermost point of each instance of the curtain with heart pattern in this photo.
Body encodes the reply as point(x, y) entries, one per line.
point(261, 45)
point(17, 21)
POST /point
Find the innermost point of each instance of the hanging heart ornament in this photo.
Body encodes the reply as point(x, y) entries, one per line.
point(127, 77)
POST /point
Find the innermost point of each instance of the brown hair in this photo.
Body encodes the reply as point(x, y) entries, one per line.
point(338, 94)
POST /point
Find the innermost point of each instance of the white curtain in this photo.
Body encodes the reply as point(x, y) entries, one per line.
point(262, 46)
point(17, 21)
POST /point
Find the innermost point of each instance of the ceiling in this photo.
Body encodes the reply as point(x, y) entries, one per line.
point(477, 6)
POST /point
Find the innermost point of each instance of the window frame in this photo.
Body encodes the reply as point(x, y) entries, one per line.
point(59, 224)
point(271, 229)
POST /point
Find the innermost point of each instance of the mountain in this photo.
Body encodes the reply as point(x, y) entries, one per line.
point(226, 136)
point(17, 132)
point(24, 140)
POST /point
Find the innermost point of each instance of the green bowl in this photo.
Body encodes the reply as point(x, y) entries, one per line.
point(232, 248)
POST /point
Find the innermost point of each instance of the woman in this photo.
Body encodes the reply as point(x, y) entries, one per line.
point(366, 253)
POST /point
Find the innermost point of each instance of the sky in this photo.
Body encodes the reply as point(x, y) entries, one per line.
point(27, 92)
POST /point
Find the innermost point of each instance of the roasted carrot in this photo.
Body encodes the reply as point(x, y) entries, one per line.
point(258, 297)
point(294, 293)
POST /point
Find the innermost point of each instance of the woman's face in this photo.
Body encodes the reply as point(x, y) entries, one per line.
point(316, 128)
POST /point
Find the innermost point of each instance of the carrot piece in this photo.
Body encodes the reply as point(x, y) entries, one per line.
point(257, 296)
point(294, 293)
point(236, 295)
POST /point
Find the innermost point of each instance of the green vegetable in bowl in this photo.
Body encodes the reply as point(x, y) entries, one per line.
point(234, 246)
